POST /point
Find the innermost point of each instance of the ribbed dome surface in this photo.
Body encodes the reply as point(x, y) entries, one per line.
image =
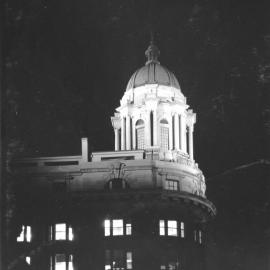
point(153, 73)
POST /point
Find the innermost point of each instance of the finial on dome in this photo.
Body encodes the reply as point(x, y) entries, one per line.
point(152, 53)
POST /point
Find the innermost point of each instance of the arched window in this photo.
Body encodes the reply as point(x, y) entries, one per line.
point(140, 134)
point(164, 121)
point(164, 135)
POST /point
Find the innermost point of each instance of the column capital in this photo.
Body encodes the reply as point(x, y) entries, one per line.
point(191, 118)
point(116, 121)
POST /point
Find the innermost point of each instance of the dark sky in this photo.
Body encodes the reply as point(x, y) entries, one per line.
point(68, 63)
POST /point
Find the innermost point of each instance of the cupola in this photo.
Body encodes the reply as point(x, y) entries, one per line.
point(152, 72)
point(153, 113)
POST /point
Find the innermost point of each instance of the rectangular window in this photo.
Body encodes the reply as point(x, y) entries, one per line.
point(182, 229)
point(172, 228)
point(28, 234)
point(128, 229)
point(28, 260)
point(129, 260)
point(60, 231)
point(140, 138)
point(164, 138)
point(200, 236)
point(70, 262)
point(107, 227)
point(161, 227)
point(25, 235)
point(62, 262)
point(171, 185)
point(117, 227)
point(70, 234)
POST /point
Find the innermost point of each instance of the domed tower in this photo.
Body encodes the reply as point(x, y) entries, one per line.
point(142, 206)
point(153, 114)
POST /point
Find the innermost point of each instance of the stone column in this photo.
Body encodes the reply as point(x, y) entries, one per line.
point(176, 131)
point(148, 130)
point(183, 134)
point(133, 135)
point(190, 142)
point(155, 126)
point(170, 134)
point(128, 139)
point(123, 136)
point(116, 139)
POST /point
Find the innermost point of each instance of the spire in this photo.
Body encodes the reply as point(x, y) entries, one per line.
point(152, 52)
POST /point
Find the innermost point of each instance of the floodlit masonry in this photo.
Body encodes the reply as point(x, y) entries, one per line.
point(142, 206)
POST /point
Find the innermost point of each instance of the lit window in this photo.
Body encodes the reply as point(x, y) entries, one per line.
point(128, 229)
point(198, 236)
point(172, 227)
point(164, 135)
point(129, 260)
point(140, 134)
point(140, 138)
point(182, 229)
point(25, 235)
point(118, 260)
point(70, 234)
point(107, 226)
point(117, 227)
point(171, 185)
point(28, 260)
point(61, 231)
point(161, 227)
point(62, 262)
point(70, 262)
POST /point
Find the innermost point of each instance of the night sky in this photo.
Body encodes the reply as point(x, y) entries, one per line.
point(68, 64)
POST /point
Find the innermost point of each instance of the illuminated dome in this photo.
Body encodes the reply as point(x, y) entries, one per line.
point(152, 72)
